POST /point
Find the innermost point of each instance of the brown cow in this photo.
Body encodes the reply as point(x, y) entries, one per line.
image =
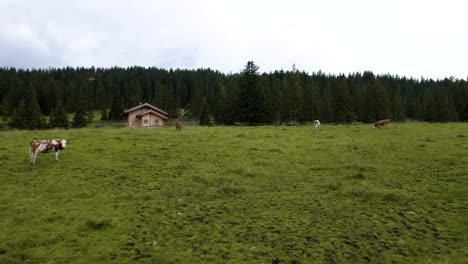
point(178, 125)
point(381, 123)
point(45, 146)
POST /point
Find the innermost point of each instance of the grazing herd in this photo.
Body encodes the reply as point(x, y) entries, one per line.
point(57, 145)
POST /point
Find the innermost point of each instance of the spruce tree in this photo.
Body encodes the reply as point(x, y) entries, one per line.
point(35, 118)
point(292, 96)
point(397, 107)
point(117, 108)
point(249, 98)
point(464, 115)
point(90, 117)
point(204, 114)
point(277, 102)
point(19, 116)
point(429, 109)
point(4, 110)
point(100, 95)
point(79, 119)
point(60, 118)
point(104, 115)
point(14, 120)
point(327, 108)
point(344, 111)
point(377, 102)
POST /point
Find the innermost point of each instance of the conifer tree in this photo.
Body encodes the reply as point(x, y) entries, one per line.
point(377, 102)
point(59, 118)
point(79, 119)
point(100, 95)
point(397, 107)
point(14, 120)
point(204, 114)
point(429, 110)
point(19, 116)
point(344, 111)
point(249, 98)
point(117, 108)
point(35, 118)
point(4, 110)
point(104, 115)
point(327, 108)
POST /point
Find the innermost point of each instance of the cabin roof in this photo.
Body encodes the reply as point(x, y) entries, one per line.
point(154, 108)
point(152, 112)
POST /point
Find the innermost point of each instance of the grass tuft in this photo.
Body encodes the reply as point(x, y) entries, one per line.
point(97, 224)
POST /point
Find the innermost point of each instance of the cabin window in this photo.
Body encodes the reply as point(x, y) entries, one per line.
point(135, 122)
point(145, 121)
point(156, 122)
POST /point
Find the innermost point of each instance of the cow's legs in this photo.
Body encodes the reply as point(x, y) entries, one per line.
point(35, 156)
point(57, 154)
point(31, 155)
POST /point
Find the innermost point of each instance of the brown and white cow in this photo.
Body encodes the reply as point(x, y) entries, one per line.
point(381, 123)
point(45, 146)
point(178, 125)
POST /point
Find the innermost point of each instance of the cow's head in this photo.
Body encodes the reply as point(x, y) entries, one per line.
point(63, 142)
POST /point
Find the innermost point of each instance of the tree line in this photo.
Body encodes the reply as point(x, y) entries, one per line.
point(248, 97)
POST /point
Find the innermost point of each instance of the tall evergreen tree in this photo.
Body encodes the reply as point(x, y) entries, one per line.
point(429, 110)
point(249, 100)
point(100, 95)
point(117, 109)
point(104, 114)
point(445, 111)
point(344, 110)
point(60, 118)
point(328, 114)
point(5, 110)
point(292, 95)
point(204, 114)
point(19, 117)
point(377, 102)
point(464, 115)
point(79, 119)
point(35, 118)
point(397, 107)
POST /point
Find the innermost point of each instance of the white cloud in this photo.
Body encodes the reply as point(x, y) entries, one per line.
point(411, 38)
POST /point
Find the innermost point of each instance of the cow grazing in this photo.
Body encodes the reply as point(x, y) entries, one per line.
point(317, 124)
point(381, 123)
point(45, 146)
point(178, 125)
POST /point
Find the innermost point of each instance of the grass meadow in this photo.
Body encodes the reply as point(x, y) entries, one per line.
point(272, 194)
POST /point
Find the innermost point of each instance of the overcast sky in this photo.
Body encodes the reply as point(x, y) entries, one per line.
point(411, 38)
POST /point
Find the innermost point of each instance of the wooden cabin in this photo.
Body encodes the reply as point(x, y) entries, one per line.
point(145, 115)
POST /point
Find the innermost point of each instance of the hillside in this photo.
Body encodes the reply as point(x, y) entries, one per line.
point(273, 194)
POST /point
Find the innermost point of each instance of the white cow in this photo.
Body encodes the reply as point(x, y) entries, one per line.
point(317, 124)
point(45, 146)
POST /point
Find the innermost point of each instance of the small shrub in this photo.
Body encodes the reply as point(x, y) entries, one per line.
point(275, 150)
point(359, 176)
point(391, 197)
point(334, 186)
point(97, 224)
point(231, 190)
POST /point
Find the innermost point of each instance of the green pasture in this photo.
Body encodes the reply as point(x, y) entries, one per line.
point(272, 194)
